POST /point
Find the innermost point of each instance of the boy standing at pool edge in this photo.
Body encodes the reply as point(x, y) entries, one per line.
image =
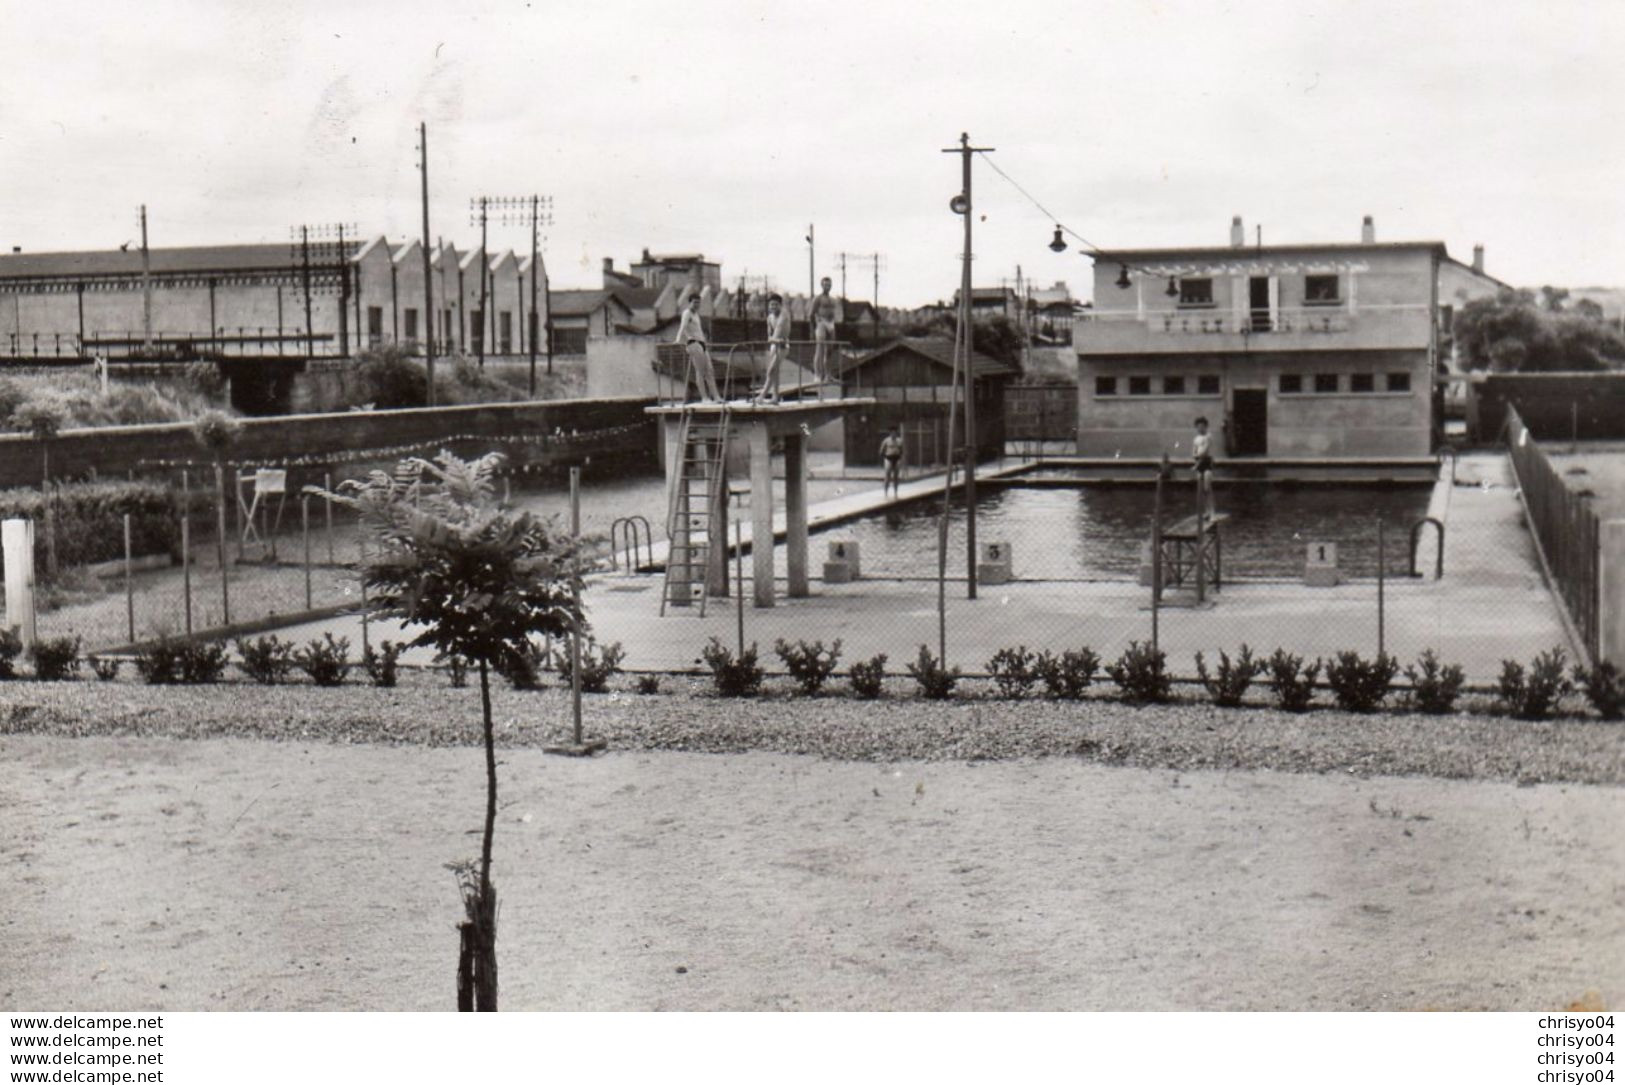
point(891, 453)
point(1202, 465)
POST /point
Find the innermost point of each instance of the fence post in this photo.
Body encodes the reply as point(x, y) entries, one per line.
point(366, 643)
point(220, 542)
point(1381, 584)
point(17, 542)
point(739, 576)
point(304, 531)
point(186, 570)
point(129, 582)
point(327, 488)
point(575, 593)
point(1156, 556)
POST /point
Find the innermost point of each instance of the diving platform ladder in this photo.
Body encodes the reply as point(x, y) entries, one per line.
point(696, 517)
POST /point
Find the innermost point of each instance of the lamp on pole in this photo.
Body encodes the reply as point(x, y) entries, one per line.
point(961, 205)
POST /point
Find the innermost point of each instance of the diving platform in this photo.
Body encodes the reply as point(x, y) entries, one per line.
point(1193, 554)
point(697, 437)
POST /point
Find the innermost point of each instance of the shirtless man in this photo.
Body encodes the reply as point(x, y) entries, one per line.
point(823, 313)
point(691, 333)
point(891, 453)
point(778, 344)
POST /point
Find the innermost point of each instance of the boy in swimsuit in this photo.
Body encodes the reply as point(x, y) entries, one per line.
point(778, 344)
point(691, 333)
point(1202, 464)
point(891, 453)
point(823, 320)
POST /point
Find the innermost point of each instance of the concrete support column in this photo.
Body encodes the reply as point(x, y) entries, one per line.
point(17, 540)
point(716, 567)
point(795, 511)
point(1611, 591)
point(761, 512)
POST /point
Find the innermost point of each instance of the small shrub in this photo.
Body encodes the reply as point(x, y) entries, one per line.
point(1141, 672)
point(1604, 688)
point(56, 659)
point(648, 684)
point(1534, 694)
point(1360, 685)
point(1230, 684)
point(733, 677)
point(380, 664)
point(159, 664)
point(1013, 671)
point(1069, 674)
point(936, 682)
point(599, 663)
point(267, 660)
point(456, 668)
point(105, 669)
point(1294, 683)
point(327, 661)
point(11, 646)
point(1434, 688)
point(202, 662)
point(809, 664)
point(205, 379)
point(869, 677)
point(525, 671)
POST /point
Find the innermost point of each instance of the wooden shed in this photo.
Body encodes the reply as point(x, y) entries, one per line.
point(911, 381)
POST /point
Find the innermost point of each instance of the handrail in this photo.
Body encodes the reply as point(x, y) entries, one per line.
point(1416, 535)
point(629, 533)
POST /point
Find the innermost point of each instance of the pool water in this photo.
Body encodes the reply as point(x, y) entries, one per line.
point(1095, 532)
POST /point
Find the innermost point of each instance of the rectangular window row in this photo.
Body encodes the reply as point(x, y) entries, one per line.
point(1331, 383)
point(1197, 293)
point(1207, 385)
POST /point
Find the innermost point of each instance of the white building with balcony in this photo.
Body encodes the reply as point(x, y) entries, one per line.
point(1290, 351)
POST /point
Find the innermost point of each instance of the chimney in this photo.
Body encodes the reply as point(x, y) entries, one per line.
point(1368, 231)
point(609, 264)
point(1238, 236)
point(1478, 259)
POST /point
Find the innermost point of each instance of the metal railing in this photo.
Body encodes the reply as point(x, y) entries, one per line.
point(742, 365)
point(1250, 321)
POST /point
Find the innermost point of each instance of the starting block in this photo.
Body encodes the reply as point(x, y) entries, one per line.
point(1320, 566)
point(994, 564)
point(842, 566)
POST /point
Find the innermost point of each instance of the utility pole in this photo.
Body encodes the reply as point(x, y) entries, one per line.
point(518, 210)
point(428, 274)
point(812, 284)
point(310, 326)
point(341, 263)
point(963, 205)
point(146, 287)
point(477, 208)
point(843, 278)
point(876, 261)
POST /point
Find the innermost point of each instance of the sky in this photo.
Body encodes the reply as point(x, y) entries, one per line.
point(728, 128)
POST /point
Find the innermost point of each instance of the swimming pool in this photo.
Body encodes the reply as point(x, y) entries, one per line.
point(1093, 532)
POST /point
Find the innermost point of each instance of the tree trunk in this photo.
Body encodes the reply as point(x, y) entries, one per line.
point(485, 912)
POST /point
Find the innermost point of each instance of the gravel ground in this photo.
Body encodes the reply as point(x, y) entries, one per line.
point(685, 716)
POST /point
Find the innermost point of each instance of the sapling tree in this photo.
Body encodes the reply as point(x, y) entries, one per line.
point(478, 580)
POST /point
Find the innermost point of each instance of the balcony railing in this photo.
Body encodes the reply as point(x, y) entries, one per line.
point(1308, 319)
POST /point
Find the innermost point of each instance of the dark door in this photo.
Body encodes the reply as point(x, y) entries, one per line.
point(1258, 300)
point(1250, 421)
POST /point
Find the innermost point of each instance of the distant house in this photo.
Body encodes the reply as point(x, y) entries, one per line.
point(580, 314)
point(912, 380)
point(1298, 350)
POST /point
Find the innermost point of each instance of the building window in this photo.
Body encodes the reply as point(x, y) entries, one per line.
point(1399, 382)
point(1320, 290)
point(505, 331)
point(1362, 382)
point(375, 323)
point(1208, 385)
point(1325, 382)
point(1195, 293)
point(1173, 386)
point(1105, 386)
point(1139, 386)
point(409, 323)
point(1291, 383)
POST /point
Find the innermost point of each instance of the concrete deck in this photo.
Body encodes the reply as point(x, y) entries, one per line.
point(1491, 605)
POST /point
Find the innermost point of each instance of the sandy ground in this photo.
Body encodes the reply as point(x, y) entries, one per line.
point(229, 874)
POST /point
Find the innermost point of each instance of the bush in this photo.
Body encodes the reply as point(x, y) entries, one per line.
point(1294, 683)
point(90, 519)
point(1359, 685)
point(11, 646)
point(1141, 672)
point(809, 664)
point(105, 669)
point(1013, 671)
point(202, 662)
point(523, 671)
point(935, 681)
point(1230, 684)
point(1069, 674)
point(1604, 688)
point(56, 659)
point(648, 684)
point(733, 677)
point(380, 664)
point(389, 379)
point(868, 678)
point(205, 379)
point(599, 663)
point(1434, 688)
point(327, 661)
point(456, 668)
point(267, 660)
point(159, 664)
point(1534, 694)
